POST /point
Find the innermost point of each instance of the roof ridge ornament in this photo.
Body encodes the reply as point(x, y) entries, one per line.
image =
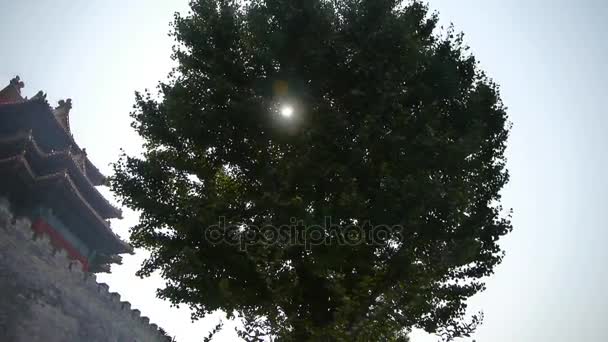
point(40, 97)
point(12, 92)
point(17, 83)
point(80, 159)
point(62, 113)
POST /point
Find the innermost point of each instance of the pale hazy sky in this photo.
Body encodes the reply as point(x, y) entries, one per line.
point(548, 57)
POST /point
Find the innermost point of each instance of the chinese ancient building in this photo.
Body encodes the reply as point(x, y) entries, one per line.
point(49, 178)
point(50, 264)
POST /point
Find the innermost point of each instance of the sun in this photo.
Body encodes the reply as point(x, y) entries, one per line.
point(286, 111)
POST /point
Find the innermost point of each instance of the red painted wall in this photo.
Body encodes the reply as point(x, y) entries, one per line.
point(42, 227)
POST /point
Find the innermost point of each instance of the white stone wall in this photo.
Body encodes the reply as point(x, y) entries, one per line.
point(45, 297)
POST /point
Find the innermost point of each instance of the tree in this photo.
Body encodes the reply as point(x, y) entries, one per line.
point(371, 206)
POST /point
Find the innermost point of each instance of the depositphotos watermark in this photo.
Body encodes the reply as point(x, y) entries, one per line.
point(300, 234)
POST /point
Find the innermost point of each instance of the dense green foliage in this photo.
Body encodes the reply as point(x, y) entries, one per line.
point(393, 124)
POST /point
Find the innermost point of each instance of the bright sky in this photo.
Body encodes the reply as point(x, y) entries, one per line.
point(548, 57)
